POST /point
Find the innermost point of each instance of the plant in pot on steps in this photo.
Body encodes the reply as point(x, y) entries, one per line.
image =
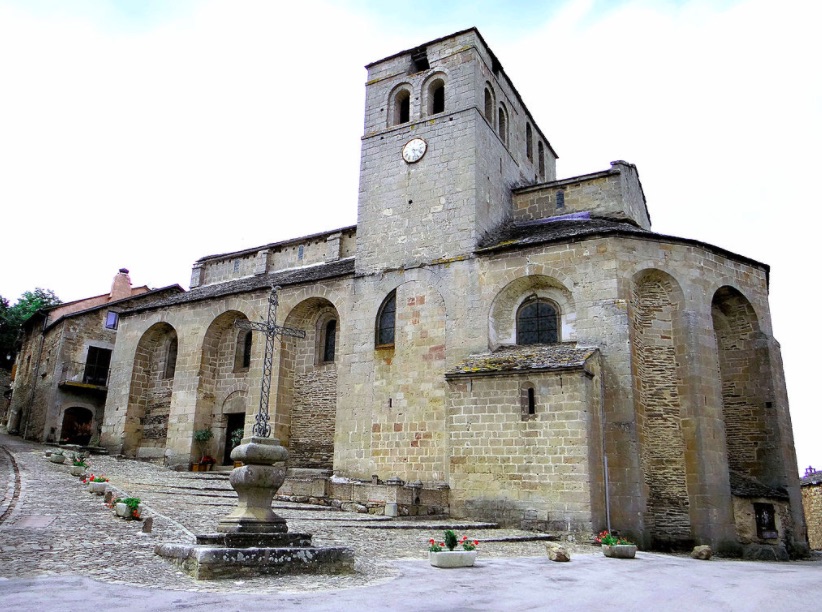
point(127, 507)
point(463, 557)
point(201, 438)
point(235, 439)
point(615, 546)
point(78, 466)
point(96, 484)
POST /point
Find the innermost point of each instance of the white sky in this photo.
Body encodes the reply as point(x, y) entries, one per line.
point(149, 134)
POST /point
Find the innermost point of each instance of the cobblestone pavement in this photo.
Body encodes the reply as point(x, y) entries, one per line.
point(50, 524)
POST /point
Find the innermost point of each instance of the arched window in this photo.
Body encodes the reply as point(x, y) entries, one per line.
point(502, 124)
point(436, 97)
point(489, 105)
point(386, 320)
point(402, 107)
point(537, 322)
point(528, 400)
point(247, 349)
point(541, 160)
point(242, 355)
point(171, 359)
point(330, 341)
point(529, 142)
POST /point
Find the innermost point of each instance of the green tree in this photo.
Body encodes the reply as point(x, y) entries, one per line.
point(13, 317)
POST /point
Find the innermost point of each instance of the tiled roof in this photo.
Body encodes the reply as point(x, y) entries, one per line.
point(549, 230)
point(512, 235)
point(506, 359)
point(745, 486)
point(284, 278)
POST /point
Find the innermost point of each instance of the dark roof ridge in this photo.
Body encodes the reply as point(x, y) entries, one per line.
point(292, 276)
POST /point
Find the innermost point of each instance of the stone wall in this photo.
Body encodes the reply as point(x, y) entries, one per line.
point(750, 417)
point(657, 376)
point(306, 251)
point(812, 503)
point(511, 467)
point(614, 193)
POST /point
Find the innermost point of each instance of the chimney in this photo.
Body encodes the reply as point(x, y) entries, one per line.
point(121, 287)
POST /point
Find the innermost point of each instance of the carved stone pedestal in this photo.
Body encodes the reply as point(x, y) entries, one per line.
point(254, 540)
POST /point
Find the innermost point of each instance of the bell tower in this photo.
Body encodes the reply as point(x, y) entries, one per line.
point(446, 139)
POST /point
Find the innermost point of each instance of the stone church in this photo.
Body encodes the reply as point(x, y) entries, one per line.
point(526, 346)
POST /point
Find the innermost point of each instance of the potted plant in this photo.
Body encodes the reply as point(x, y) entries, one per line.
point(96, 484)
point(201, 437)
point(206, 461)
point(78, 466)
point(465, 557)
point(615, 546)
point(127, 508)
point(235, 439)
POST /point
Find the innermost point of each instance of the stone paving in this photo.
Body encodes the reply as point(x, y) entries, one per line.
point(50, 524)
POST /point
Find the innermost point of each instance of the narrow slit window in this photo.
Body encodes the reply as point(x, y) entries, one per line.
point(528, 401)
point(171, 359)
point(247, 349)
point(541, 160)
point(529, 142)
point(330, 341)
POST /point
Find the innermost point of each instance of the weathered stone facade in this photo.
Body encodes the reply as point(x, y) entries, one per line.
point(528, 343)
point(812, 504)
point(63, 364)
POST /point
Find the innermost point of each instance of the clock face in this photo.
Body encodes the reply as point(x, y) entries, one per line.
point(414, 150)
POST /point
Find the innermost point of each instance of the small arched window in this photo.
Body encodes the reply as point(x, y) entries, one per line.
point(489, 105)
point(541, 160)
point(529, 142)
point(171, 359)
point(402, 107)
point(386, 320)
point(330, 341)
point(436, 97)
point(537, 322)
point(502, 124)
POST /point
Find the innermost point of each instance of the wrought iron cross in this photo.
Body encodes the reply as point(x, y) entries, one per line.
point(261, 427)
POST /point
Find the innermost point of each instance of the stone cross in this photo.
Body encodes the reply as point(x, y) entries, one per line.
point(262, 428)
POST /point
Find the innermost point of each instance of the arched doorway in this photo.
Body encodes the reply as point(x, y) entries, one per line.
point(76, 426)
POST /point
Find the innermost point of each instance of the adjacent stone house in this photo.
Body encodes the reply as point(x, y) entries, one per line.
point(812, 503)
point(62, 372)
point(526, 344)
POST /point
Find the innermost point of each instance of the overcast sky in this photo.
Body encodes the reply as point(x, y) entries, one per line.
point(150, 134)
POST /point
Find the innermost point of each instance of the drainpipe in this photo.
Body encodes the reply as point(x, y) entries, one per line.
point(36, 374)
point(604, 455)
